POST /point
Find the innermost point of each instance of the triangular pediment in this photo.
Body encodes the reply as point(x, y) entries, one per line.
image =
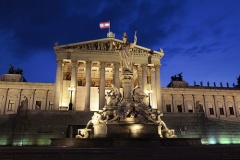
point(104, 44)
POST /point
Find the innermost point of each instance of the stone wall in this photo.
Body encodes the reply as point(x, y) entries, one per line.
point(211, 130)
point(36, 127)
point(40, 96)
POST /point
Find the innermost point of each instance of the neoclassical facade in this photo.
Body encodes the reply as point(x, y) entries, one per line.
point(89, 68)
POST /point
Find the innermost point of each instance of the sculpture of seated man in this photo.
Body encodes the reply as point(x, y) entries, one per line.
point(113, 97)
point(138, 94)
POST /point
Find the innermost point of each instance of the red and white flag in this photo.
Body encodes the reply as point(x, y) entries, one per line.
point(104, 25)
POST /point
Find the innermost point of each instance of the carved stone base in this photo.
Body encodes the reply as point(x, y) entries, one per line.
point(12, 78)
point(124, 142)
point(127, 80)
point(126, 130)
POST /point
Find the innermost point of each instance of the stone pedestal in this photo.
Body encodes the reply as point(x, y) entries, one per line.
point(100, 130)
point(126, 130)
point(127, 79)
point(12, 78)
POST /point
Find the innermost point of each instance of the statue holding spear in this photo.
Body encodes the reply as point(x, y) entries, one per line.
point(126, 57)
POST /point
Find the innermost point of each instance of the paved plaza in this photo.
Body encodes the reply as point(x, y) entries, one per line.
point(204, 152)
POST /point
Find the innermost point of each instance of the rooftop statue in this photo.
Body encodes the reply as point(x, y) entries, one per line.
point(238, 80)
point(11, 69)
point(13, 75)
point(126, 57)
point(14, 71)
point(177, 78)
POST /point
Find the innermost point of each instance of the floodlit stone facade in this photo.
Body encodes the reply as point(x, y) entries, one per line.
point(38, 96)
point(216, 102)
point(91, 67)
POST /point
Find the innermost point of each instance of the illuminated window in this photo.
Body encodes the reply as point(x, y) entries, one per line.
point(50, 105)
point(231, 111)
point(221, 111)
point(38, 105)
point(211, 111)
point(190, 108)
point(179, 107)
point(168, 108)
point(10, 105)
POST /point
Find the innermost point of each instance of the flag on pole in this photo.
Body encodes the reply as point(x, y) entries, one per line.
point(104, 25)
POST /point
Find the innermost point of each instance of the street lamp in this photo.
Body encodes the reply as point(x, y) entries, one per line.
point(71, 89)
point(149, 93)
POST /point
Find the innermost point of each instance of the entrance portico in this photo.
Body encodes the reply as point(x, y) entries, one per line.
point(92, 66)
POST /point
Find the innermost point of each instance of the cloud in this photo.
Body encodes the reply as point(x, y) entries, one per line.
point(186, 28)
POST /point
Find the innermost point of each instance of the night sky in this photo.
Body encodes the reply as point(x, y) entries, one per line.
point(200, 38)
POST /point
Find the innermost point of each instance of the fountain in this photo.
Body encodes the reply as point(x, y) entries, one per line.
point(125, 120)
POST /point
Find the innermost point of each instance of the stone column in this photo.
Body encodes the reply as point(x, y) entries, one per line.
point(113, 74)
point(153, 84)
point(45, 99)
point(116, 75)
point(158, 87)
point(194, 104)
point(88, 86)
point(32, 97)
point(205, 106)
point(173, 104)
point(74, 82)
point(58, 85)
point(5, 101)
point(102, 85)
point(235, 107)
point(185, 107)
point(2, 105)
point(144, 77)
point(215, 106)
point(139, 69)
point(19, 97)
point(225, 106)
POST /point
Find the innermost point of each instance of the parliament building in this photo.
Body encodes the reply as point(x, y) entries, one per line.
point(86, 70)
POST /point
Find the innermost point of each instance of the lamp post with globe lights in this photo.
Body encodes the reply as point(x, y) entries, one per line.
point(149, 92)
point(71, 89)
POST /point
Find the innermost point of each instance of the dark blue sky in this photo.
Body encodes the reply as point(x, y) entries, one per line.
point(200, 38)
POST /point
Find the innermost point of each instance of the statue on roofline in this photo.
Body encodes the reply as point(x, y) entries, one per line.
point(11, 69)
point(177, 78)
point(238, 80)
point(15, 71)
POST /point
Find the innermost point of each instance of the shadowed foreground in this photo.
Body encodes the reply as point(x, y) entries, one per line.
point(216, 152)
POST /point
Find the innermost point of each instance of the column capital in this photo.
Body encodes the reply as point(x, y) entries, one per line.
point(157, 66)
point(144, 66)
point(152, 70)
point(139, 69)
point(74, 63)
point(20, 90)
point(46, 91)
point(102, 64)
point(59, 60)
point(88, 62)
point(116, 64)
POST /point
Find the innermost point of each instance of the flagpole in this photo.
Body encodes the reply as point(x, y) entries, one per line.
point(109, 27)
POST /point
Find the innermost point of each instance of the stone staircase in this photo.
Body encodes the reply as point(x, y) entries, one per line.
point(36, 127)
point(212, 131)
